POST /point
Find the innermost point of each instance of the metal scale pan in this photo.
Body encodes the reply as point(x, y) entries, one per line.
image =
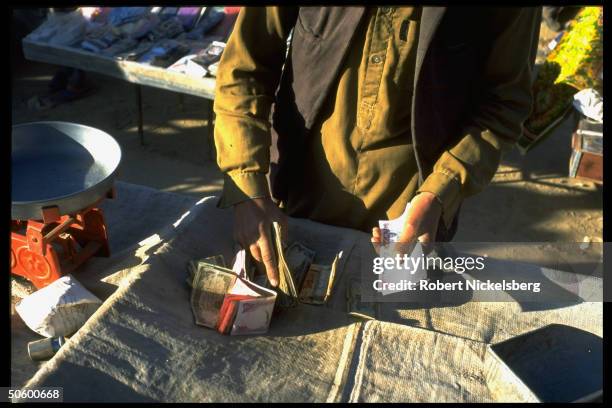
point(61, 164)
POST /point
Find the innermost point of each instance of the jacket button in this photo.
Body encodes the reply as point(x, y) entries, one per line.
point(376, 59)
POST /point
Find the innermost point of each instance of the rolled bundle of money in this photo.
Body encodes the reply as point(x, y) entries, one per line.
point(286, 291)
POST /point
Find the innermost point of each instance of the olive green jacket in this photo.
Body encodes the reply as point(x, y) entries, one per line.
point(471, 94)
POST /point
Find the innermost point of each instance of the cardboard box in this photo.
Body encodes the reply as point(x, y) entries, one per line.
point(586, 160)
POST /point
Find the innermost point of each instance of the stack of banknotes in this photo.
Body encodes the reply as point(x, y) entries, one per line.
point(238, 300)
point(225, 300)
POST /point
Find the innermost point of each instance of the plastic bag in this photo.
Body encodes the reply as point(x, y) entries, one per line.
point(590, 103)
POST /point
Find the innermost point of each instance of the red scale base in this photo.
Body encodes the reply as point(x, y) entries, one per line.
point(44, 251)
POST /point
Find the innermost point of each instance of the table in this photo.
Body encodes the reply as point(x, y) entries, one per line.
point(129, 71)
point(142, 344)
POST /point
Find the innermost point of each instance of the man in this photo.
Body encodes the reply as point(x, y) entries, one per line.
point(374, 108)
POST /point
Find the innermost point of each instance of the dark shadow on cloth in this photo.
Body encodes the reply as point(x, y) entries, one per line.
point(558, 363)
point(306, 319)
point(104, 389)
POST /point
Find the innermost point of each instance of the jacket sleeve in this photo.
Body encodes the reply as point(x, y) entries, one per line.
point(247, 79)
point(468, 166)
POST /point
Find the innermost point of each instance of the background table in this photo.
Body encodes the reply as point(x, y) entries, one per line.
point(130, 71)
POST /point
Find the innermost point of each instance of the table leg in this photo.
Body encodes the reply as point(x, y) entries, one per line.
point(140, 119)
point(181, 102)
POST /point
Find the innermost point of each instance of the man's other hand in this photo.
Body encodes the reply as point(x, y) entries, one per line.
point(421, 222)
point(252, 229)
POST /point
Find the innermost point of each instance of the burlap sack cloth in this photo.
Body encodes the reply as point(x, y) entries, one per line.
point(143, 345)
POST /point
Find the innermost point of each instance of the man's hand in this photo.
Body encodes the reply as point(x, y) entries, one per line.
point(421, 222)
point(252, 229)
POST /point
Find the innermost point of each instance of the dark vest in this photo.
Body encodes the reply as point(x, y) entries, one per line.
point(451, 42)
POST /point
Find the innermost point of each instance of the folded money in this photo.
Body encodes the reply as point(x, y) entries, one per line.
point(299, 258)
point(209, 287)
point(222, 299)
point(240, 263)
point(247, 309)
point(286, 291)
point(192, 266)
point(292, 263)
point(318, 283)
point(392, 229)
point(227, 313)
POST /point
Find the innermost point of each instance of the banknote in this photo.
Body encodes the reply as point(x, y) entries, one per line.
point(299, 258)
point(292, 264)
point(192, 266)
point(247, 309)
point(354, 305)
point(221, 297)
point(218, 260)
point(253, 316)
point(314, 288)
point(286, 290)
point(318, 283)
point(240, 265)
point(392, 229)
point(227, 314)
point(209, 287)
